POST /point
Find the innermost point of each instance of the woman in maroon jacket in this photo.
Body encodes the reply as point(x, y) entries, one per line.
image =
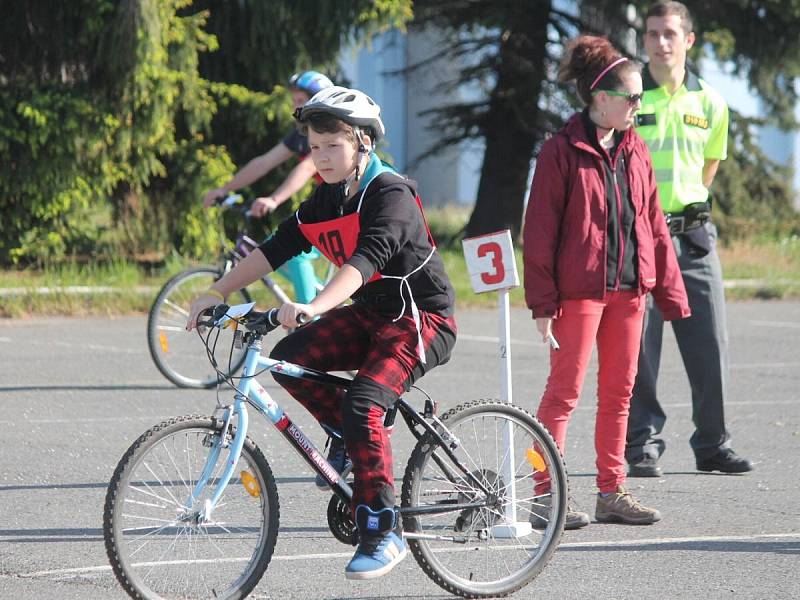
point(595, 243)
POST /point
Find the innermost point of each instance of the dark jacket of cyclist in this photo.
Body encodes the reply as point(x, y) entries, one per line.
point(393, 240)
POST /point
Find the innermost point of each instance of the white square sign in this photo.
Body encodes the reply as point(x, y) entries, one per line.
point(490, 261)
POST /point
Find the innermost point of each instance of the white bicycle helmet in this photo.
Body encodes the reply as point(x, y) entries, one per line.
point(351, 106)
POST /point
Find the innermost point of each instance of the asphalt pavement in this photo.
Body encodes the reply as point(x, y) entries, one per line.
point(75, 393)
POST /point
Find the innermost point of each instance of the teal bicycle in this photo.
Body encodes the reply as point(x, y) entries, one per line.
point(173, 349)
point(192, 510)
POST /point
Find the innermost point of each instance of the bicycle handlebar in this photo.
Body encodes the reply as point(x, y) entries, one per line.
point(234, 200)
point(261, 322)
point(229, 200)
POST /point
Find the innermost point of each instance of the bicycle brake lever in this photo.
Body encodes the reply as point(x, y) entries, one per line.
point(211, 313)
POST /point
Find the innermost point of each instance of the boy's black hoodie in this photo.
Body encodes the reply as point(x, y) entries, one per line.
point(393, 241)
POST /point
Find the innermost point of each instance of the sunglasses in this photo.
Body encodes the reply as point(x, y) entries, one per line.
point(633, 99)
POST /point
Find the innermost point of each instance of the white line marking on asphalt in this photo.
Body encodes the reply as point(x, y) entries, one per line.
point(683, 540)
point(98, 347)
point(768, 365)
point(496, 340)
point(793, 324)
point(5, 339)
point(76, 571)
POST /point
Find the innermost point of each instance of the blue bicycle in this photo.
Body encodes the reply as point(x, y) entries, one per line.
point(173, 349)
point(192, 509)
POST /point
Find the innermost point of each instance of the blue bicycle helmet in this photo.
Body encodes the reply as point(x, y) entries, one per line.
point(309, 82)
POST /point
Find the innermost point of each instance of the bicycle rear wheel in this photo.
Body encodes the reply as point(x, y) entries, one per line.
point(158, 546)
point(470, 552)
point(179, 354)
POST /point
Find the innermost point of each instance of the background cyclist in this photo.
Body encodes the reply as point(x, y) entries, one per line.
point(299, 270)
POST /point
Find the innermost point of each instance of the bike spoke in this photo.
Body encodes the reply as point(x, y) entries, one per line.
point(169, 542)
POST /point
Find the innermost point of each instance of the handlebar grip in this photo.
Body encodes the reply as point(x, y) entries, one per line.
point(229, 199)
point(271, 317)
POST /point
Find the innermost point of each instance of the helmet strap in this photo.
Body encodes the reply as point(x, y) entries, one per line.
point(362, 151)
point(347, 182)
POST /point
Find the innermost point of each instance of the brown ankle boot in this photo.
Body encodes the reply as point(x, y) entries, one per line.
point(621, 507)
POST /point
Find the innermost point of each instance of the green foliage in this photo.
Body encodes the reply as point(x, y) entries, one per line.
point(752, 194)
point(115, 116)
point(43, 132)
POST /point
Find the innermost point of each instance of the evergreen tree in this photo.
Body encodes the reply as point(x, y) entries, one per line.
point(116, 114)
point(520, 44)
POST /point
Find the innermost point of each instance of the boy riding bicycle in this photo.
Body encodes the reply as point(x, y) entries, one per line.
point(368, 220)
point(300, 269)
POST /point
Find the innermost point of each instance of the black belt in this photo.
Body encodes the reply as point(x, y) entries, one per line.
point(694, 216)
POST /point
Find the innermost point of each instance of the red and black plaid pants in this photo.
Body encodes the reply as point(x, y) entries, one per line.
point(384, 352)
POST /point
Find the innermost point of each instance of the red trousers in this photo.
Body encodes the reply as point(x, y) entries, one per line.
point(615, 322)
point(385, 353)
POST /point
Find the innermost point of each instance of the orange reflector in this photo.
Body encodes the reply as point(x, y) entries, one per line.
point(162, 339)
point(536, 460)
point(250, 484)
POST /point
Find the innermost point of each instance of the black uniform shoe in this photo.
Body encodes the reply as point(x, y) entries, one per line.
point(646, 467)
point(724, 461)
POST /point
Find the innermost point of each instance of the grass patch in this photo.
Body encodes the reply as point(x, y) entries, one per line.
point(762, 259)
point(766, 268)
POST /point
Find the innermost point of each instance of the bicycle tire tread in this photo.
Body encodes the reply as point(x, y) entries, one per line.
point(408, 477)
point(113, 489)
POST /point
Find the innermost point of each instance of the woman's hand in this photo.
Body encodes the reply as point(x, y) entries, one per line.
point(545, 327)
point(199, 305)
point(288, 313)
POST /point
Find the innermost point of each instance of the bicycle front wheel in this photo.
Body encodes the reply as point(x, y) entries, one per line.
point(488, 550)
point(157, 540)
point(179, 354)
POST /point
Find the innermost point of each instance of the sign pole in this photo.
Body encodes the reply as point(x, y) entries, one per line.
point(492, 267)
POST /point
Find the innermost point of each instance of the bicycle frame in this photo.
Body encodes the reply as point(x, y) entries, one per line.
point(249, 390)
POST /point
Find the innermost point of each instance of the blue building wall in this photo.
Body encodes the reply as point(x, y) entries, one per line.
point(451, 176)
point(370, 68)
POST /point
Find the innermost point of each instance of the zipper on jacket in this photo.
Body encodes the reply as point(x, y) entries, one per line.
point(621, 250)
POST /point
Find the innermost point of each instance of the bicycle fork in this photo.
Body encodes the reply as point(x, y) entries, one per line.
point(216, 445)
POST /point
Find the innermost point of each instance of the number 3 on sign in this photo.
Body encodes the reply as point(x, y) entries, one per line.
point(490, 262)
